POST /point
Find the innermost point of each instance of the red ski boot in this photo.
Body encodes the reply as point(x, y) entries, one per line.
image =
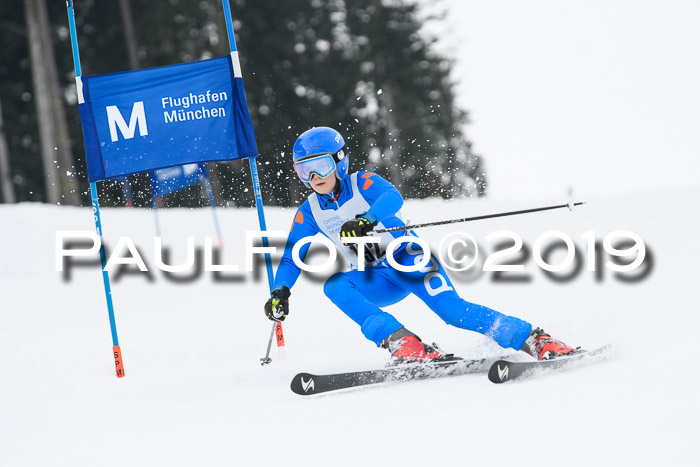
point(406, 347)
point(541, 346)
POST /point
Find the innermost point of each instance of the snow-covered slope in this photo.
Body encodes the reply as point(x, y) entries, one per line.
point(195, 393)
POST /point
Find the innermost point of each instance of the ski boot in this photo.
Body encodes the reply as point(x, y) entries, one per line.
point(541, 346)
point(406, 347)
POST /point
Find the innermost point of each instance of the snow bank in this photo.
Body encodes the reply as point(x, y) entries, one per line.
point(195, 393)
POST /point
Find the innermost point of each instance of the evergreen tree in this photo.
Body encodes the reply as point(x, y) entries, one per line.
point(363, 67)
point(414, 127)
point(19, 114)
point(6, 187)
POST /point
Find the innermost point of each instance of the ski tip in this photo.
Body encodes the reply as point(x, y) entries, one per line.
point(504, 370)
point(303, 384)
point(499, 372)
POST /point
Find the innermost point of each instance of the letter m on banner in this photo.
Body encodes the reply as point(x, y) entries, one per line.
point(115, 119)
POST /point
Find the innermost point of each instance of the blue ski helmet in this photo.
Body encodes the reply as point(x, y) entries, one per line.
point(322, 140)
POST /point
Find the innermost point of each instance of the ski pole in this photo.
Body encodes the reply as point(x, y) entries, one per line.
point(477, 218)
point(266, 359)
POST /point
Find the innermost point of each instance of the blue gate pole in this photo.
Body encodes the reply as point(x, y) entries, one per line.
point(212, 204)
point(251, 160)
point(119, 363)
point(276, 327)
point(156, 219)
point(129, 202)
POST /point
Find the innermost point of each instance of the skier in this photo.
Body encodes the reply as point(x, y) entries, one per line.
point(352, 205)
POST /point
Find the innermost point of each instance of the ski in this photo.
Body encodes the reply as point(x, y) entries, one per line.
point(306, 384)
point(504, 370)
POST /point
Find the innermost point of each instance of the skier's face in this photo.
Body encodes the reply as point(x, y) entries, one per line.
point(323, 186)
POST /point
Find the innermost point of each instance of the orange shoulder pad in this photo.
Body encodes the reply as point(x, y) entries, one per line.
point(368, 182)
point(299, 218)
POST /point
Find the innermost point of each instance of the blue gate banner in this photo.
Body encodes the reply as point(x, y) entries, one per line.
point(143, 120)
point(172, 179)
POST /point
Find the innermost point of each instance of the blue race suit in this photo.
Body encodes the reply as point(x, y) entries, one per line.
point(361, 294)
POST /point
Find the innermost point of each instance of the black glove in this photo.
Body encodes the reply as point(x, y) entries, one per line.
point(358, 227)
point(277, 307)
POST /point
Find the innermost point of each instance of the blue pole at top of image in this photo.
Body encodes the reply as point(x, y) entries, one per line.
point(276, 327)
point(74, 39)
point(251, 160)
point(229, 26)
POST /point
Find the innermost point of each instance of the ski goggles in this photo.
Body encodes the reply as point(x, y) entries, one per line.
point(322, 165)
